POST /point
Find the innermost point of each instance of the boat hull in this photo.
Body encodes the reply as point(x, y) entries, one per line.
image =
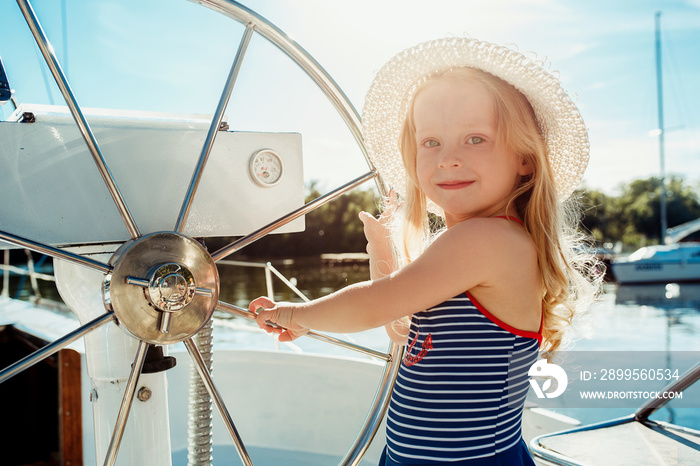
point(660, 264)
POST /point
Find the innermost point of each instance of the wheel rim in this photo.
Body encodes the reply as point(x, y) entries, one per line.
point(179, 296)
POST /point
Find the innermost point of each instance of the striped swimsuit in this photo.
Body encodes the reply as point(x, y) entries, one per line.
point(461, 389)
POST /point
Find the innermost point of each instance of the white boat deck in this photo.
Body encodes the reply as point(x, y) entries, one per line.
point(225, 455)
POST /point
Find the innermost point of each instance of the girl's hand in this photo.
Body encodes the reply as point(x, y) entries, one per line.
point(378, 236)
point(274, 318)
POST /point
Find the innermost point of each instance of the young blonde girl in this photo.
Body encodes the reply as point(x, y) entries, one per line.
point(486, 139)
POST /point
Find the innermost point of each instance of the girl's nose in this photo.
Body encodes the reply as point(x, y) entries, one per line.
point(449, 159)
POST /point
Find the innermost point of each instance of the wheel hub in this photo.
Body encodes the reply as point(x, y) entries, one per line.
point(171, 287)
point(164, 287)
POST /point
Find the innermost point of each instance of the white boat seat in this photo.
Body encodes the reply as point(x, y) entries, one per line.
point(629, 443)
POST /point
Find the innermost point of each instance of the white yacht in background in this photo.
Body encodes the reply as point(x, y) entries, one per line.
point(676, 261)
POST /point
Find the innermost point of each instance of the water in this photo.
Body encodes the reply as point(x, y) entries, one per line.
point(633, 324)
point(656, 317)
point(664, 319)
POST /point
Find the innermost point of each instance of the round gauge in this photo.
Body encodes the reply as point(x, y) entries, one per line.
point(266, 167)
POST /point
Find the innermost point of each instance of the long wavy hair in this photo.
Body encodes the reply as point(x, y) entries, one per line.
point(568, 274)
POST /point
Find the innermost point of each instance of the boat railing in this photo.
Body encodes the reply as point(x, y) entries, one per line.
point(270, 270)
point(31, 273)
point(641, 415)
point(685, 381)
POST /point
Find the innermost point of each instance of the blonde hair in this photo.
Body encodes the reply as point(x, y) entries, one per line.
point(568, 276)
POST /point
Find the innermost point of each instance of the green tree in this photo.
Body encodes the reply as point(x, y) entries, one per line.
point(335, 227)
point(640, 206)
point(634, 216)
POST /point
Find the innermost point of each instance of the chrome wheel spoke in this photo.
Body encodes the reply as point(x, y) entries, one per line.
point(280, 222)
point(51, 60)
point(43, 353)
point(125, 407)
point(55, 252)
point(218, 401)
point(214, 128)
point(239, 311)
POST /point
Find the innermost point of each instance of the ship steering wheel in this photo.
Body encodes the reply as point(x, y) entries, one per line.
point(163, 287)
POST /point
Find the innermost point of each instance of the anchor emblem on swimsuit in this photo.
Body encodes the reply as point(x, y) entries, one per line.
point(427, 344)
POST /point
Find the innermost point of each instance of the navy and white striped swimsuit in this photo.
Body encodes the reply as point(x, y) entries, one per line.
point(461, 389)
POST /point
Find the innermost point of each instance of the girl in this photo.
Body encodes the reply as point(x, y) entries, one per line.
point(486, 139)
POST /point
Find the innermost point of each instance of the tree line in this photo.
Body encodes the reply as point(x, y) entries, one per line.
point(631, 218)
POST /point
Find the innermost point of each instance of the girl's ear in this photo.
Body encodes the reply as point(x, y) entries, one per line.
point(526, 167)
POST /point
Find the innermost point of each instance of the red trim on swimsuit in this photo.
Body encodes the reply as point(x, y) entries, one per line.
point(508, 217)
point(503, 325)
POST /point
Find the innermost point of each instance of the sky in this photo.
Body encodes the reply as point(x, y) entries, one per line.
point(173, 56)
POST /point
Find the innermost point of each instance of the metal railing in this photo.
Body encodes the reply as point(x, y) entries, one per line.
point(30, 272)
point(269, 271)
point(641, 415)
point(32, 275)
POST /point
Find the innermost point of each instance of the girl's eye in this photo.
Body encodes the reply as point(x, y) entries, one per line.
point(431, 143)
point(475, 140)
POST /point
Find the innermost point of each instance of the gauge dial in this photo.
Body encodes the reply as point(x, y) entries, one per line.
point(266, 167)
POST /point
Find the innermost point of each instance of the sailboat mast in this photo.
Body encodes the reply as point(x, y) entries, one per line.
point(662, 135)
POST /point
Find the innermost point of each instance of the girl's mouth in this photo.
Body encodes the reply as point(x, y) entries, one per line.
point(454, 184)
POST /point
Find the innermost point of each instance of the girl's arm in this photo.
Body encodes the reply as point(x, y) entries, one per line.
point(473, 253)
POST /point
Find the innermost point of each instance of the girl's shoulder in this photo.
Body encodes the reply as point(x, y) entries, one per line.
point(497, 261)
point(483, 254)
point(496, 245)
point(496, 231)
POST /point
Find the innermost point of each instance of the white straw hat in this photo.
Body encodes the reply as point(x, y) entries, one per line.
point(566, 138)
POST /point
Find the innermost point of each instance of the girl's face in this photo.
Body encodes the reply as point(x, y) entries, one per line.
point(460, 163)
